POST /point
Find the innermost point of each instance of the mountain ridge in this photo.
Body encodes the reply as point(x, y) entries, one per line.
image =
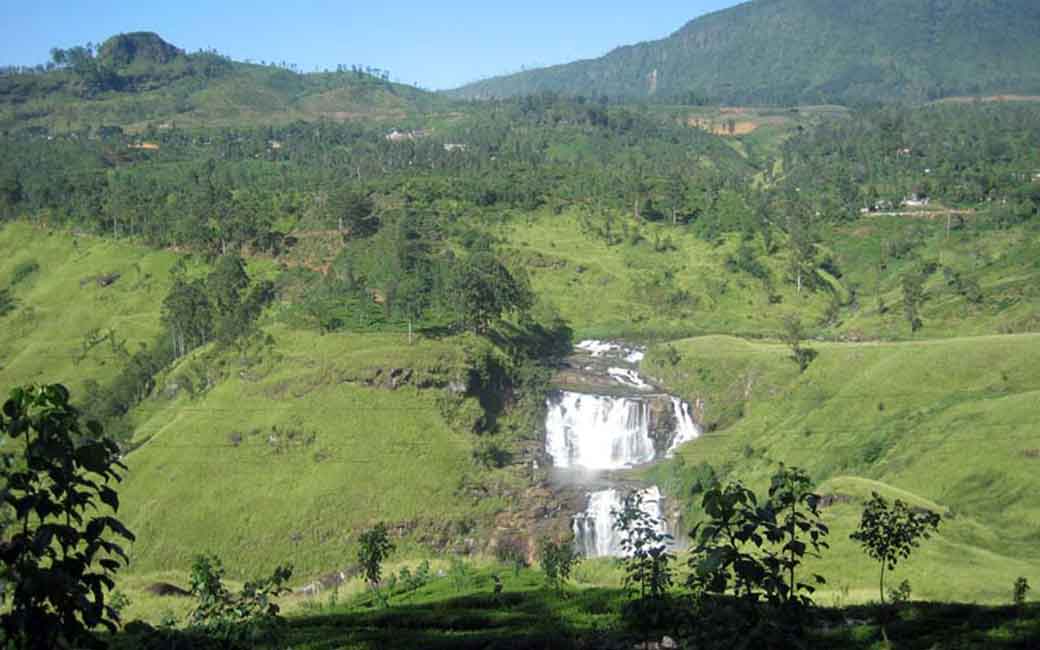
point(810, 51)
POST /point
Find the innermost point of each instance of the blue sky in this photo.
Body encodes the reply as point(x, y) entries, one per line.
point(437, 44)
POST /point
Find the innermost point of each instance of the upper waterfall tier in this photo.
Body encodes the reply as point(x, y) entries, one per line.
point(601, 432)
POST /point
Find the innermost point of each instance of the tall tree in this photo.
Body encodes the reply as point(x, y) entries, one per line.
point(913, 296)
point(483, 289)
point(187, 315)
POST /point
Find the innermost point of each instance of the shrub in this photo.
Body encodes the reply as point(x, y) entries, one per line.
point(244, 618)
point(510, 550)
point(900, 594)
point(23, 270)
point(557, 560)
point(1021, 590)
point(7, 303)
point(458, 572)
point(374, 546)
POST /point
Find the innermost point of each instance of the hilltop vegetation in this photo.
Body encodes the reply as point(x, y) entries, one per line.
point(785, 52)
point(136, 81)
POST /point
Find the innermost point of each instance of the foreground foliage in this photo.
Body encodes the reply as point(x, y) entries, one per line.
point(64, 548)
point(526, 615)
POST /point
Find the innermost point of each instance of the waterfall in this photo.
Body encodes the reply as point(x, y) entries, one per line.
point(593, 528)
point(598, 432)
point(685, 428)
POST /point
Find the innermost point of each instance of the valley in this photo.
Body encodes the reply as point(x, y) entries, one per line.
point(549, 360)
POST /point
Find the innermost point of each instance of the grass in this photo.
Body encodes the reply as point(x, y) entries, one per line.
point(288, 458)
point(60, 303)
point(446, 613)
point(624, 290)
point(943, 423)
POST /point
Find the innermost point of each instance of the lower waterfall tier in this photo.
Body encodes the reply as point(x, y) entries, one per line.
point(594, 532)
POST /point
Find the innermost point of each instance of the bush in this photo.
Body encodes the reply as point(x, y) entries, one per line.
point(458, 572)
point(1021, 590)
point(374, 546)
point(511, 550)
point(23, 270)
point(7, 302)
point(489, 454)
point(900, 594)
point(238, 620)
point(557, 560)
point(410, 580)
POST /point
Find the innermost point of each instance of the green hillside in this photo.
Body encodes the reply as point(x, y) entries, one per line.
point(811, 51)
point(284, 448)
point(292, 455)
point(138, 80)
point(59, 327)
point(944, 423)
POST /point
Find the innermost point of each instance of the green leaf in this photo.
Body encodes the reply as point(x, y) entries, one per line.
point(94, 457)
point(109, 497)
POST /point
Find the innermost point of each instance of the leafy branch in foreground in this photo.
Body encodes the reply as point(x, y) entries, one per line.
point(751, 550)
point(60, 558)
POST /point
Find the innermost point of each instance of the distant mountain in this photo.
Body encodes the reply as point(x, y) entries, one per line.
point(133, 80)
point(812, 51)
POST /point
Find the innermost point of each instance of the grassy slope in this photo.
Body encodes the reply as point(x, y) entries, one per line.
point(948, 432)
point(42, 337)
point(610, 290)
point(602, 290)
point(1005, 264)
point(377, 455)
point(949, 422)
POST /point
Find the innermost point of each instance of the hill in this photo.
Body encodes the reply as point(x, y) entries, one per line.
point(137, 79)
point(938, 423)
point(811, 51)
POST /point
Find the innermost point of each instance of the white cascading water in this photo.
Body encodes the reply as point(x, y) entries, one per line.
point(600, 432)
point(609, 432)
point(594, 531)
point(685, 428)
